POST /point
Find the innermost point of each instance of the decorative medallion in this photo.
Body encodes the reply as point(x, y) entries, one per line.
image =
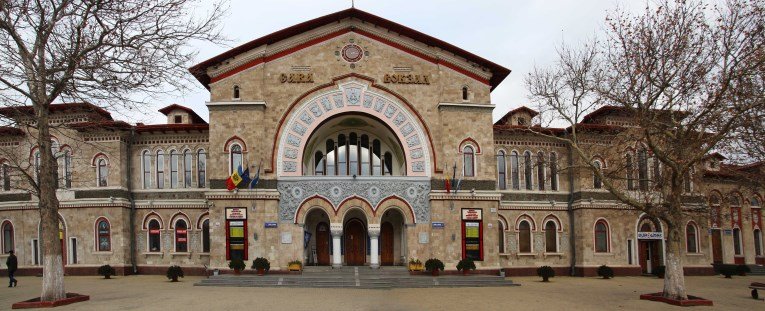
point(352, 53)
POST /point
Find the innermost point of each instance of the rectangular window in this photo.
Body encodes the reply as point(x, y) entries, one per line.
point(146, 170)
point(173, 170)
point(178, 119)
point(187, 169)
point(629, 252)
point(201, 169)
point(501, 171)
point(73, 251)
point(36, 251)
point(515, 171)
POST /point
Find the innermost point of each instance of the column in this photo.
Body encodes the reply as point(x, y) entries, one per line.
point(374, 246)
point(337, 231)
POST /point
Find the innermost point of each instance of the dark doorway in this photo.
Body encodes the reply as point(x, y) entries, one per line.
point(386, 244)
point(649, 256)
point(322, 244)
point(716, 246)
point(355, 243)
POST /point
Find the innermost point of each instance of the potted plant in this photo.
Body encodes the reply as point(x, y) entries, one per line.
point(237, 265)
point(605, 272)
point(261, 265)
point(415, 264)
point(107, 271)
point(546, 272)
point(434, 266)
point(174, 272)
point(659, 271)
point(465, 265)
point(295, 265)
point(743, 270)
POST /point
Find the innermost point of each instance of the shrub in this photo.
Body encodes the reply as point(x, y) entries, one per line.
point(434, 264)
point(414, 261)
point(174, 272)
point(742, 270)
point(546, 272)
point(295, 262)
point(727, 270)
point(605, 272)
point(237, 264)
point(107, 271)
point(261, 263)
point(466, 264)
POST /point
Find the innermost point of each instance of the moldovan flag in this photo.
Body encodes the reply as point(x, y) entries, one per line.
point(234, 179)
point(447, 184)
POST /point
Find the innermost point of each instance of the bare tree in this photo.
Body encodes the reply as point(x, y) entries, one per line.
point(115, 54)
point(677, 78)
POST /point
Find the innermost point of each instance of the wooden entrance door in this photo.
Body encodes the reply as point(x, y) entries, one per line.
point(648, 256)
point(386, 244)
point(322, 244)
point(716, 246)
point(355, 243)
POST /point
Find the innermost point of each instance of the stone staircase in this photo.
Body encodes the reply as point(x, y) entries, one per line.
point(756, 270)
point(355, 277)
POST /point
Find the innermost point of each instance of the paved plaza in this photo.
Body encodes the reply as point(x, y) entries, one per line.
point(154, 292)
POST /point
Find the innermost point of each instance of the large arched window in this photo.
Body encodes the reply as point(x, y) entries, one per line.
point(376, 158)
point(353, 154)
point(501, 236)
point(366, 156)
point(597, 183)
point(181, 236)
point(318, 168)
point(187, 169)
point(757, 242)
point(524, 237)
point(160, 169)
point(554, 171)
point(8, 243)
point(235, 158)
point(551, 236)
point(103, 173)
point(737, 242)
point(330, 158)
point(468, 161)
point(342, 155)
point(201, 169)
point(602, 237)
point(691, 238)
point(388, 163)
point(206, 236)
point(6, 175)
point(643, 169)
point(174, 169)
point(541, 171)
point(515, 170)
point(146, 163)
point(501, 170)
point(103, 235)
point(527, 171)
point(629, 167)
point(67, 169)
point(154, 236)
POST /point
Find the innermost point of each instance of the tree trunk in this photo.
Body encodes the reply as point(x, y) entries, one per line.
point(53, 265)
point(674, 280)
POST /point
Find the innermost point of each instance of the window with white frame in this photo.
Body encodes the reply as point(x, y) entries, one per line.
point(553, 171)
point(691, 238)
point(187, 168)
point(597, 183)
point(103, 235)
point(160, 169)
point(551, 236)
point(8, 237)
point(602, 237)
point(235, 158)
point(206, 236)
point(201, 168)
point(468, 161)
point(501, 170)
point(524, 236)
point(102, 172)
point(154, 236)
point(527, 171)
point(181, 236)
point(515, 170)
point(146, 163)
point(541, 171)
point(174, 170)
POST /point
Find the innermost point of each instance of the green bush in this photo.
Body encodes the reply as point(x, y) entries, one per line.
point(237, 264)
point(742, 270)
point(261, 263)
point(174, 272)
point(605, 272)
point(107, 271)
point(546, 272)
point(434, 264)
point(466, 264)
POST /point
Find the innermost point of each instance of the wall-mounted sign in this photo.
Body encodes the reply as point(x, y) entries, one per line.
point(424, 237)
point(236, 213)
point(406, 79)
point(650, 235)
point(296, 78)
point(438, 225)
point(286, 237)
point(728, 231)
point(472, 214)
point(271, 225)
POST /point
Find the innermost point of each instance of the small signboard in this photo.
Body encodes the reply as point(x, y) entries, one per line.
point(236, 213)
point(650, 235)
point(286, 237)
point(728, 231)
point(438, 225)
point(472, 214)
point(272, 225)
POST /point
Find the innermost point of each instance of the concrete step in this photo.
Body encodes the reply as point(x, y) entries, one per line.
point(332, 279)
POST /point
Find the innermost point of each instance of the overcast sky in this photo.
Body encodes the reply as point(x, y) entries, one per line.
point(516, 34)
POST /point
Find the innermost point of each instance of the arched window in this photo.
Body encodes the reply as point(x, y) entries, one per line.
point(714, 211)
point(331, 152)
point(527, 170)
point(353, 154)
point(376, 158)
point(366, 166)
point(629, 166)
point(160, 169)
point(146, 163)
point(155, 239)
point(206, 236)
point(554, 171)
point(524, 237)
point(601, 237)
point(737, 242)
point(67, 169)
point(464, 93)
point(236, 92)
point(201, 168)
point(8, 243)
point(515, 170)
point(103, 235)
point(501, 170)
point(643, 169)
point(342, 155)
point(6, 177)
point(235, 158)
point(541, 171)
point(501, 236)
point(757, 242)
point(468, 161)
point(103, 173)
point(187, 168)
point(597, 183)
point(388, 163)
point(691, 239)
point(551, 237)
point(318, 163)
point(173, 169)
point(181, 236)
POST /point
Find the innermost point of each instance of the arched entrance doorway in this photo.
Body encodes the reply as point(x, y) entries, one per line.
point(391, 238)
point(355, 242)
point(319, 245)
point(650, 248)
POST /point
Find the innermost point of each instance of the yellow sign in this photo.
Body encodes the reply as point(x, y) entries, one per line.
point(471, 232)
point(296, 78)
point(406, 79)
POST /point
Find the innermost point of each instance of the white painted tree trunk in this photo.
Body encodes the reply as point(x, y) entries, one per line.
point(674, 279)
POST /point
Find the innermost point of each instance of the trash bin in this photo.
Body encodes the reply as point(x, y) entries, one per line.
point(216, 271)
point(502, 272)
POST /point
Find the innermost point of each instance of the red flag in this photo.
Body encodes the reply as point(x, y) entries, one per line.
point(230, 184)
